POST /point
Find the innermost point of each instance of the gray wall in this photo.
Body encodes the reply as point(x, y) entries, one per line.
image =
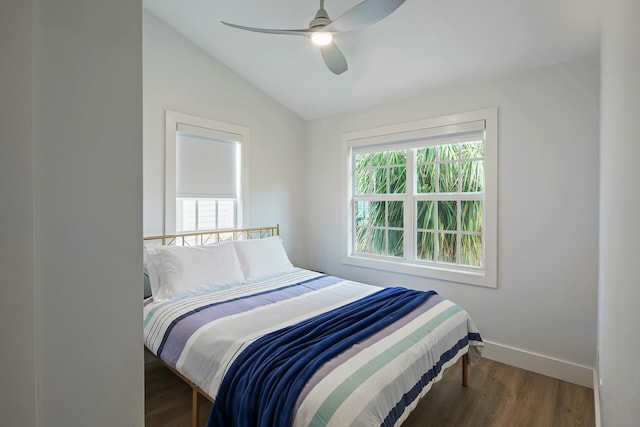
point(548, 206)
point(181, 77)
point(17, 287)
point(619, 292)
point(72, 174)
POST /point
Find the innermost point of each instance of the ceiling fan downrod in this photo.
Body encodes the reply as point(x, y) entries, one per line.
point(321, 19)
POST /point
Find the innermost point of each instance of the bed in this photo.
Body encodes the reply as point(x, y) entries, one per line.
point(274, 345)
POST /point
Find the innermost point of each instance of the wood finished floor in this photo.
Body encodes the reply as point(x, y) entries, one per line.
point(498, 395)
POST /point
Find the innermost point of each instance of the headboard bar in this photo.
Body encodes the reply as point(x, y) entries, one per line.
point(214, 236)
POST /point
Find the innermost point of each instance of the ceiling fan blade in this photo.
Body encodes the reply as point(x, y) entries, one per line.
point(306, 32)
point(334, 58)
point(363, 14)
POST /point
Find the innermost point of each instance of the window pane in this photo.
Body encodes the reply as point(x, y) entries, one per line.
point(361, 213)
point(206, 214)
point(378, 214)
point(226, 213)
point(396, 214)
point(425, 215)
point(398, 180)
point(185, 215)
point(473, 176)
point(380, 180)
point(378, 242)
point(426, 154)
point(398, 157)
point(471, 250)
point(362, 240)
point(363, 160)
point(471, 215)
point(363, 181)
point(449, 152)
point(447, 215)
point(472, 150)
point(447, 247)
point(396, 243)
point(448, 177)
point(379, 159)
point(425, 246)
point(426, 178)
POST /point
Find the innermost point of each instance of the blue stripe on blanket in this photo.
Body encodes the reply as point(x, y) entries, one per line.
point(395, 413)
point(326, 281)
point(474, 336)
point(263, 383)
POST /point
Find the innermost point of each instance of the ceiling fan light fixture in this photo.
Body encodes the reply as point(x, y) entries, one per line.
point(321, 28)
point(320, 38)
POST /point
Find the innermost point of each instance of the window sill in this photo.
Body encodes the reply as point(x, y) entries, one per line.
point(476, 278)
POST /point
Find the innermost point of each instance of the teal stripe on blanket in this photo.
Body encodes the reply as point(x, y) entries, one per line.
point(263, 383)
point(351, 383)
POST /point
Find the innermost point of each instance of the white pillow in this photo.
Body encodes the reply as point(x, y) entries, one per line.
point(176, 271)
point(145, 260)
point(262, 257)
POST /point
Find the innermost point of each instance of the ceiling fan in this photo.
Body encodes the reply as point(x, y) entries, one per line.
point(322, 29)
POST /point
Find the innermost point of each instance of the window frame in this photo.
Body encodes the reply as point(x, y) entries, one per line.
point(240, 134)
point(390, 137)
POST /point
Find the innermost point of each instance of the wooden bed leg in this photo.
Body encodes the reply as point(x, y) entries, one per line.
point(465, 370)
point(194, 406)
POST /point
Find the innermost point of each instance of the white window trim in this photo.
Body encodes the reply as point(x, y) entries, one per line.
point(172, 119)
point(419, 129)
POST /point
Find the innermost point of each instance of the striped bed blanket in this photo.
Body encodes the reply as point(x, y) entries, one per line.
point(376, 381)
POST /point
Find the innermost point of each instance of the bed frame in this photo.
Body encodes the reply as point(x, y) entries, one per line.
point(212, 237)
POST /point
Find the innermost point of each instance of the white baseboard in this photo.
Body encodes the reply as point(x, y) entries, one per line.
point(545, 365)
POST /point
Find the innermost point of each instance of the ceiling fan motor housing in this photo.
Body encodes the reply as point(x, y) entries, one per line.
point(321, 19)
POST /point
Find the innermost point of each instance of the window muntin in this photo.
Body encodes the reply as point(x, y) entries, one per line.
point(379, 227)
point(378, 211)
point(201, 214)
point(422, 198)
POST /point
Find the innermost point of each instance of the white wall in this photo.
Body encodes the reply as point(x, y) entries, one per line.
point(17, 287)
point(181, 77)
point(619, 291)
point(548, 205)
point(71, 189)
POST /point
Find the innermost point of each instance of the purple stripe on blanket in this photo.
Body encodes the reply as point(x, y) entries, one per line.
point(181, 329)
point(263, 383)
point(346, 355)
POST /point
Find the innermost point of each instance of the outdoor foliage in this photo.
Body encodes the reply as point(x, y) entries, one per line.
point(447, 230)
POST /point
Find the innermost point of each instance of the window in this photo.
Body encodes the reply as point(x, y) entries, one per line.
point(205, 178)
point(422, 198)
point(204, 214)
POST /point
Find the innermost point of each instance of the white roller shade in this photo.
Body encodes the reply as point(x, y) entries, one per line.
point(421, 137)
point(206, 162)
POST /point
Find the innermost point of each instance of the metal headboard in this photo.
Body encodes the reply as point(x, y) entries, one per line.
point(201, 238)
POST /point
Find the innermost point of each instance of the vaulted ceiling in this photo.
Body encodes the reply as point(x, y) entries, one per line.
point(422, 45)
